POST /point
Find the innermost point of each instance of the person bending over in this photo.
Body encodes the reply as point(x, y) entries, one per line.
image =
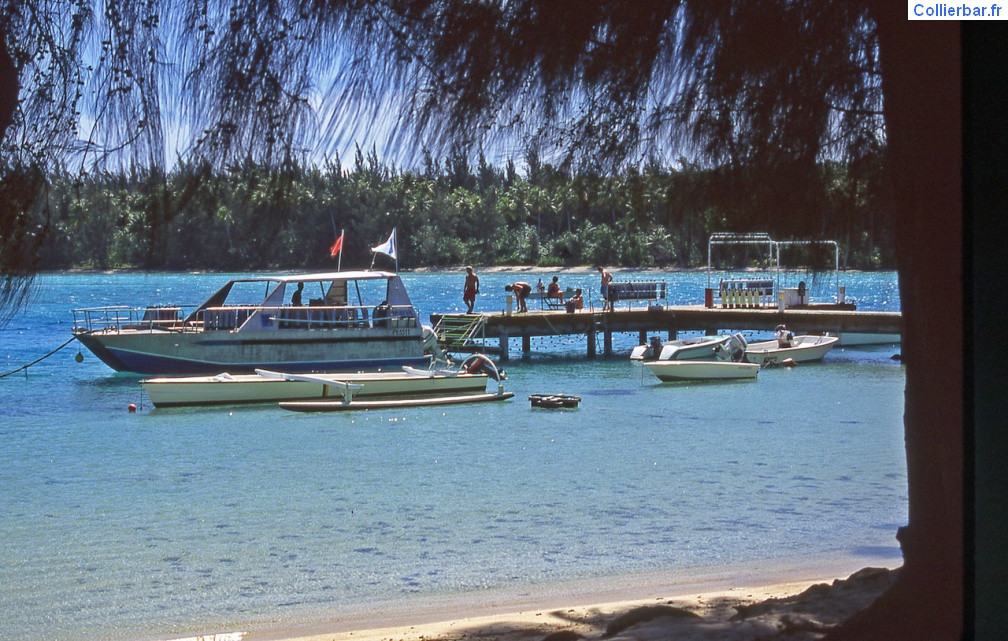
point(521, 291)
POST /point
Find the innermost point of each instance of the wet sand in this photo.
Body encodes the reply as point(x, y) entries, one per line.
point(791, 601)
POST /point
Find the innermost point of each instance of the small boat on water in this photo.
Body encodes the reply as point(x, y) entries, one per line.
point(393, 403)
point(270, 387)
point(848, 339)
point(726, 361)
point(554, 401)
point(323, 322)
point(785, 345)
point(698, 370)
point(682, 349)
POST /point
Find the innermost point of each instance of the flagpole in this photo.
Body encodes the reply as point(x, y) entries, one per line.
point(339, 261)
point(396, 249)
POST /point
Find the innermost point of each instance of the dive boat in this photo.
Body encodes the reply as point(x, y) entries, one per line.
point(270, 387)
point(357, 321)
point(682, 349)
point(786, 345)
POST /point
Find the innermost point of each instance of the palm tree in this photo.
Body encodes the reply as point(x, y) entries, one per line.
point(773, 86)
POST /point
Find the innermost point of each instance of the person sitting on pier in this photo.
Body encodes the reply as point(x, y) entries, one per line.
point(575, 302)
point(553, 291)
point(521, 291)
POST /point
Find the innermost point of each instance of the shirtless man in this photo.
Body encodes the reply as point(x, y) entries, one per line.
point(606, 279)
point(521, 291)
point(471, 289)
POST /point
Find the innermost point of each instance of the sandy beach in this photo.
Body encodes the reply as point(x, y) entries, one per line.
point(796, 602)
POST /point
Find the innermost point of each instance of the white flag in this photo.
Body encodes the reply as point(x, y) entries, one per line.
point(388, 247)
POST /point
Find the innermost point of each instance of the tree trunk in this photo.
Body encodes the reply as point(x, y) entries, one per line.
point(8, 85)
point(922, 84)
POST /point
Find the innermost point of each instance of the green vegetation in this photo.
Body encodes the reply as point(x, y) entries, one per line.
point(447, 213)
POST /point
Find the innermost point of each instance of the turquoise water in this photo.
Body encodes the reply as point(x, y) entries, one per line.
point(173, 522)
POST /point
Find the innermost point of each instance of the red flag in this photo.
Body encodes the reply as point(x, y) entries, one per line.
point(337, 246)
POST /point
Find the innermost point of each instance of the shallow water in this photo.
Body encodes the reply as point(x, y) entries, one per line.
point(172, 522)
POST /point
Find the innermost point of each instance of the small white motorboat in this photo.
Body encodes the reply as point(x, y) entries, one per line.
point(697, 370)
point(786, 345)
point(682, 349)
point(726, 362)
point(270, 387)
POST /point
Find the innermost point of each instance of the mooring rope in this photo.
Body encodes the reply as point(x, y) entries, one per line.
point(38, 360)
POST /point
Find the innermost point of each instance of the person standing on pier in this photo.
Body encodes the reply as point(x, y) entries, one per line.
point(521, 291)
point(606, 279)
point(471, 289)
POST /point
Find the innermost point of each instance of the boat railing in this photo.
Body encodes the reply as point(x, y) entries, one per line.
point(312, 317)
point(119, 317)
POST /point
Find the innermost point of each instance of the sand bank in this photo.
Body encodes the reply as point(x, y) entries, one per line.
point(729, 603)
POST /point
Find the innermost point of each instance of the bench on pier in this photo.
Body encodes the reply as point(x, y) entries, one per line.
point(639, 290)
point(554, 302)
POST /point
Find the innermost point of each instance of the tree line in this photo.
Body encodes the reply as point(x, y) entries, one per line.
point(448, 212)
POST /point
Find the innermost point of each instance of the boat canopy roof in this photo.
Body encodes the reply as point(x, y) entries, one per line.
point(337, 293)
point(320, 276)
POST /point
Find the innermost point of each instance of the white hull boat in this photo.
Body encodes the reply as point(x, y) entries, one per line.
point(682, 349)
point(396, 403)
point(270, 387)
point(855, 338)
point(722, 360)
point(799, 349)
point(698, 370)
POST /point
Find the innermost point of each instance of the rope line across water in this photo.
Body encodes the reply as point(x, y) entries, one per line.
point(38, 360)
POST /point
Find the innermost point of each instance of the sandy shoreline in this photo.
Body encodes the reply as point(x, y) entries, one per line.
point(804, 594)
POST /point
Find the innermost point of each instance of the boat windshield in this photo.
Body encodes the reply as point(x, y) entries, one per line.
point(248, 293)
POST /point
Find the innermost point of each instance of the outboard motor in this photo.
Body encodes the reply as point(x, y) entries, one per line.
point(783, 336)
point(656, 346)
point(430, 345)
point(736, 347)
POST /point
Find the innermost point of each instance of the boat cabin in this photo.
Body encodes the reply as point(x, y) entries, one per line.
point(333, 300)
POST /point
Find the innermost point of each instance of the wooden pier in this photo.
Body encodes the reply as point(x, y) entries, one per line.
point(812, 319)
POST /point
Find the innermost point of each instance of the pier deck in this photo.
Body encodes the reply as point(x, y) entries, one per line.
point(812, 319)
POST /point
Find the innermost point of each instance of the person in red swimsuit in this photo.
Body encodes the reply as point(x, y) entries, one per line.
point(471, 289)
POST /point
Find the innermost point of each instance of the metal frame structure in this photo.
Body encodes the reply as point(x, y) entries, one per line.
point(773, 251)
